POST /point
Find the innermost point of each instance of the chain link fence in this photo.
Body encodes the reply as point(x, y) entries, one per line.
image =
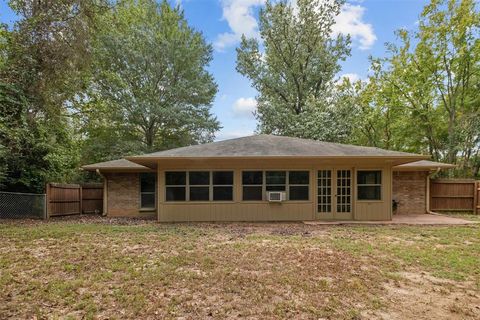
point(15, 205)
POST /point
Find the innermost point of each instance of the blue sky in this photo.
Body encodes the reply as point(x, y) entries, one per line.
point(371, 24)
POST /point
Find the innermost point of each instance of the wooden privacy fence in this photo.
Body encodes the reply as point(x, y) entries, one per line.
point(68, 199)
point(455, 195)
point(92, 198)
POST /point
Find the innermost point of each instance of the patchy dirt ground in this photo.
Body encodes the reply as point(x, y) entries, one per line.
point(422, 296)
point(93, 267)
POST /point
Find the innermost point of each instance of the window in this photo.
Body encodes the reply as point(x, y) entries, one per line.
point(276, 180)
point(147, 190)
point(344, 190)
point(252, 182)
point(324, 191)
point(222, 185)
point(298, 182)
point(175, 186)
point(369, 185)
point(199, 182)
point(199, 186)
point(295, 182)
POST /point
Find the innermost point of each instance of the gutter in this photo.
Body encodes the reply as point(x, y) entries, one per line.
point(428, 191)
point(105, 192)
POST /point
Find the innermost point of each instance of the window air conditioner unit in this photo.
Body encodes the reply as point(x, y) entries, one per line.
point(276, 196)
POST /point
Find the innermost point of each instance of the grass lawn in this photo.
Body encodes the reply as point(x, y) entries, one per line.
point(98, 268)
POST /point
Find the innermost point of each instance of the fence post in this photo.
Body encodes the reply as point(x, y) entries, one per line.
point(45, 214)
point(47, 202)
point(80, 193)
point(476, 200)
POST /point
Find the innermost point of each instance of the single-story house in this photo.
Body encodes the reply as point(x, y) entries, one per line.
point(267, 178)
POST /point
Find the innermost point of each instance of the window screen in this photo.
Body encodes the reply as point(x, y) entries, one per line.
point(147, 190)
point(369, 185)
point(199, 182)
point(252, 185)
point(199, 186)
point(298, 182)
point(222, 185)
point(175, 185)
point(276, 180)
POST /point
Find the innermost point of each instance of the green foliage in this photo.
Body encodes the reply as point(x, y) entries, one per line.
point(294, 68)
point(150, 88)
point(423, 97)
point(83, 81)
point(49, 51)
point(29, 154)
point(44, 63)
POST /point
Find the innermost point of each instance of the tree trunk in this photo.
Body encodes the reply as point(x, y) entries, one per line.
point(149, 137)
point(452, 148)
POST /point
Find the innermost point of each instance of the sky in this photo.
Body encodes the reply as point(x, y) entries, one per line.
point(371, 24)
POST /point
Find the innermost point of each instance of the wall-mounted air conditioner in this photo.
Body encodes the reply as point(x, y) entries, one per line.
point(276, 196)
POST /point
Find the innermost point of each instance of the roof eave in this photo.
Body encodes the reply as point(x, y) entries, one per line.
point(416, 157)
point(117, 169)
point(423, 168)
point(396, 160)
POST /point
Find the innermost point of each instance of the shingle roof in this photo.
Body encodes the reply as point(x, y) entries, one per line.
point(122, 164)
point(273, 146)
point(424, 164)
point(256, 146)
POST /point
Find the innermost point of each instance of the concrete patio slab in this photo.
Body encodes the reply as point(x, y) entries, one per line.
point(404, 219)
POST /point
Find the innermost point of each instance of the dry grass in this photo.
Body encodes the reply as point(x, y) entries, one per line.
point(463, 215)
point(103, 269)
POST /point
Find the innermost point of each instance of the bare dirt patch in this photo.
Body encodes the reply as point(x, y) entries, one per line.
point(423, 296)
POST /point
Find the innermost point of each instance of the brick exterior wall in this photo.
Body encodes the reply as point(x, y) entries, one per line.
point(123, 196)
point(409, 190)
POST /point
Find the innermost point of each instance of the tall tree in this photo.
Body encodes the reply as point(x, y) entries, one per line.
point(150, 81)
point(293, 69)
point(423, 96)
point(50, 50)
point(43, 62)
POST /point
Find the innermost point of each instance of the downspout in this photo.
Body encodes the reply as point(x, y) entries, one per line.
point(105, 192)
point(428, 191)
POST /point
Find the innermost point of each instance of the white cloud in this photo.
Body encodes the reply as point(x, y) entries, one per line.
point(350, 76)
point(245, 107)
point(350, 21)
point(240, 19)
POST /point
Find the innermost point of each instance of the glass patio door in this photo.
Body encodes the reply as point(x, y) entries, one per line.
point(334, 194)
